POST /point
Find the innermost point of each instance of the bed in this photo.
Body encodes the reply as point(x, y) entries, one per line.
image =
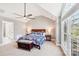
point(40, 37)
point(37, 36)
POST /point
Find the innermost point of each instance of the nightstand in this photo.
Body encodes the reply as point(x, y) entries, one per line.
point(48, 37)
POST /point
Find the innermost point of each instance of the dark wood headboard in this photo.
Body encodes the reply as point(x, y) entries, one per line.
point(38, 30)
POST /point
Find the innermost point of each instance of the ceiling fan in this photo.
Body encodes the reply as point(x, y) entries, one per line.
point(29, 16)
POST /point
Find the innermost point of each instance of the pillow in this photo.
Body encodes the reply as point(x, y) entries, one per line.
point(39, 33)
point(19, 37)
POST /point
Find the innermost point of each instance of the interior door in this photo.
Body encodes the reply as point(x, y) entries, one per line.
point(7, 32)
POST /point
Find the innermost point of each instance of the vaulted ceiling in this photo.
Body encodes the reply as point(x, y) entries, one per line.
point(49, 10)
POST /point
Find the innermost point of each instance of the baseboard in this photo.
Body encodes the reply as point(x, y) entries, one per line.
point(62, 51)
point(6, 43)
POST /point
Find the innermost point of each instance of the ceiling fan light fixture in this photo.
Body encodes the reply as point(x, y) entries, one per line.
point(24, 17)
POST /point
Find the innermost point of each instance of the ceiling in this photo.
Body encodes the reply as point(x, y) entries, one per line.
point(53, 8)
point(49, 10)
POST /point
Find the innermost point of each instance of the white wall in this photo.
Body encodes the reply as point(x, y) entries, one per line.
point(40, 22)
point(19, 28)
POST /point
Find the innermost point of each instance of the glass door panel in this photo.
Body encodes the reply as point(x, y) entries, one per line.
point(75, 34)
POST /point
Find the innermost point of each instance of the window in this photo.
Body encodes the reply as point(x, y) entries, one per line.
point(67, 7)
point(75, 34)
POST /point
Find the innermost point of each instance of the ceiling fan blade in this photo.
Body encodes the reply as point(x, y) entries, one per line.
point(28, 15)
point(18, 15)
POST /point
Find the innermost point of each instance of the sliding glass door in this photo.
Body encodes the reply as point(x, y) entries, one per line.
point(70, 35)
point(65, 37)
point(75, 34)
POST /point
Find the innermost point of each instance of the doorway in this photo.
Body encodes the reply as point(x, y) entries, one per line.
point(7, 32)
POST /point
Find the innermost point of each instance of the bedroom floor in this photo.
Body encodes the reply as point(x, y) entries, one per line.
point(48, 49)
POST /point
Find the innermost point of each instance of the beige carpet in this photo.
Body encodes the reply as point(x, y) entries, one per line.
point(48, 49)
